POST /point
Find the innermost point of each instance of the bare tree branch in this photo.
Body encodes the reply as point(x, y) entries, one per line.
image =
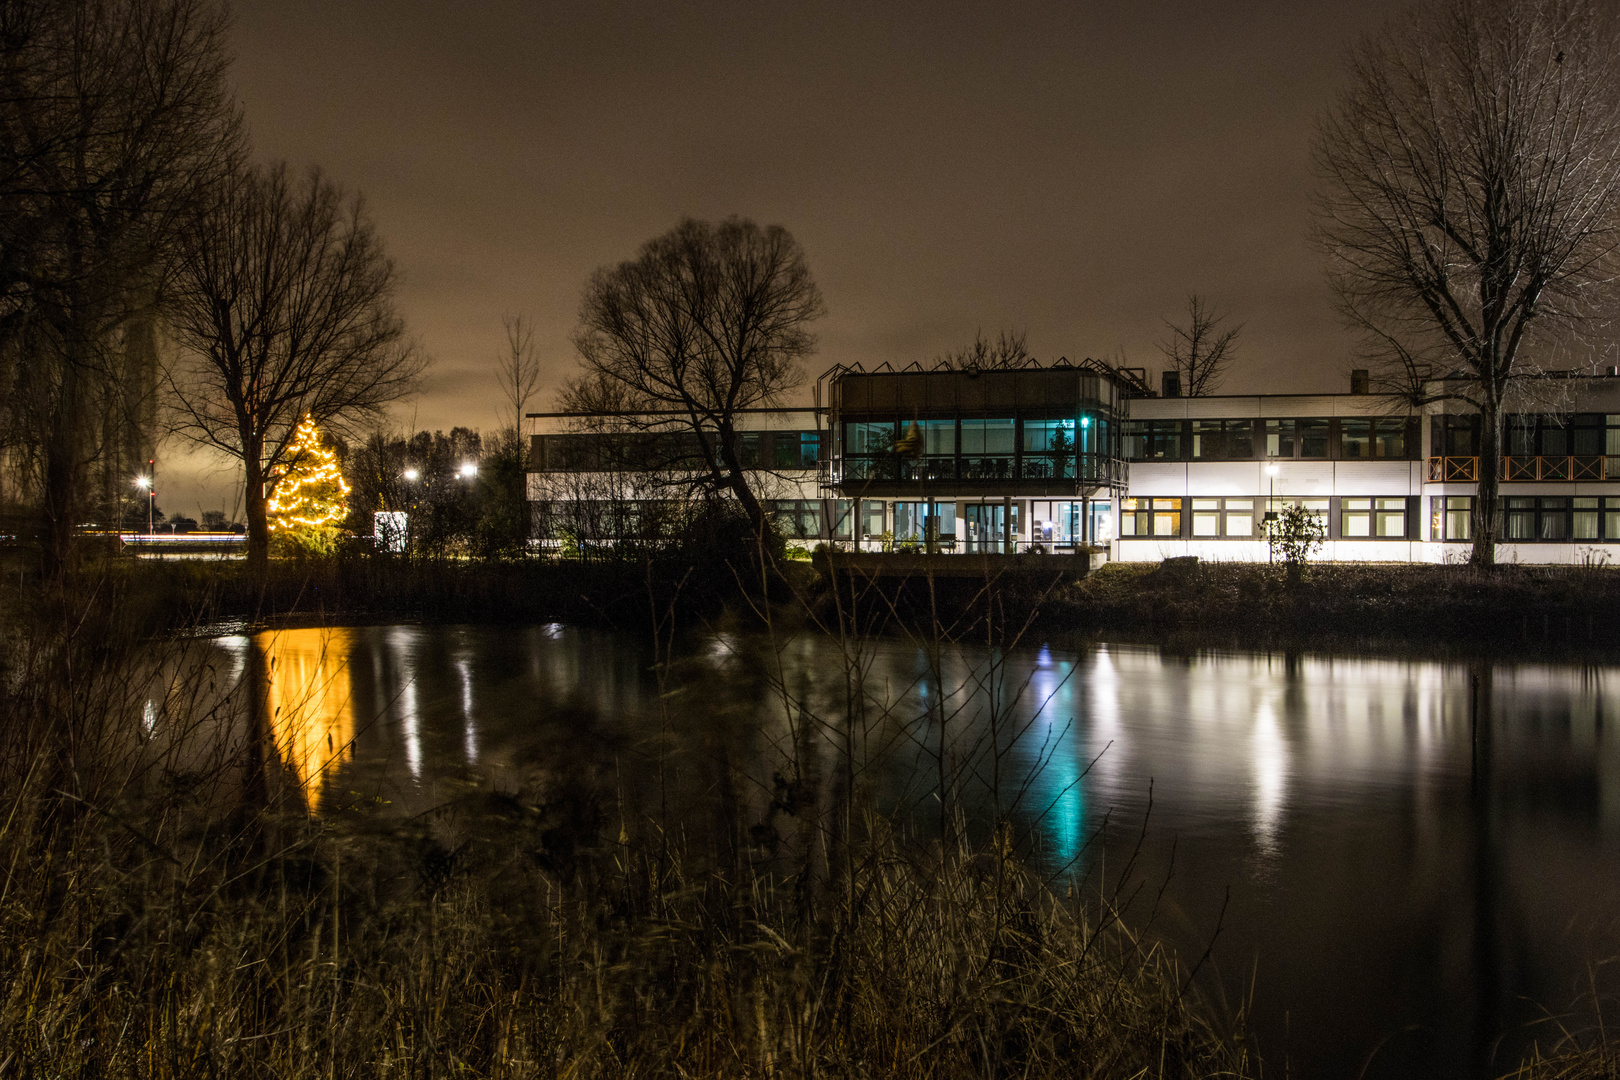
point(1470, 180)
point(1202, 350)
point(708, 320)
point(283, 303)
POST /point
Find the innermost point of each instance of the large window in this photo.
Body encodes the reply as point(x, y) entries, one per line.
point(1230, 518)
point(797, 519)
point(1149, 517)
point(797, 449)
point(1222, 440)
point(987, 449)
point(872, 514)
point(843, 522)
point(1049, 447)
point(1297, 438)
point(1377, 518)
point(1454, 436)
point(914, 521)
point(865, 437)
point(1384, 437)
point(1153, 440)
point(1532, 518)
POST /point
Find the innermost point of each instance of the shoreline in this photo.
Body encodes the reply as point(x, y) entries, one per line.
point(1564, 614)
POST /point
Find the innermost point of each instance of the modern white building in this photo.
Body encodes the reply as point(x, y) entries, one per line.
point(1063, 457)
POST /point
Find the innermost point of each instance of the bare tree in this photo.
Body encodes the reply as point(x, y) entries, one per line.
point(114, 121)
point(1201, 350)
point(284, 307)
point(517, 370)
point(1468, 203)
point(1006, 351)
point(707, 321)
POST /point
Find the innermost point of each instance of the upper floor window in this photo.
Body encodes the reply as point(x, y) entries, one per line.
point(1153, 440)
point(1384, 437)
point(1297, 438)
point(865, 437)
point(1222, 439)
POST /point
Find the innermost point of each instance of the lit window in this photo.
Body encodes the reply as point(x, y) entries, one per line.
point(1355, 517)
point(1206, 516)
point(1390, 515)
point(1584, 523)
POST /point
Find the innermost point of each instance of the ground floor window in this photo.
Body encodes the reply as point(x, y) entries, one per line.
point(913, 521)
point(1529, 518)
point(1381, 518)
point(797, 519)
point(1149, 517)
point(843, 519)
point(1064, 523)
point(872, 524)
point(1230, 518)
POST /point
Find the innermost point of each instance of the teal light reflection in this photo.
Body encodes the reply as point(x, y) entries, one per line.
point(1059, 790)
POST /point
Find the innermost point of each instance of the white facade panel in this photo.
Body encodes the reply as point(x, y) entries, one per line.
point(1167, 478)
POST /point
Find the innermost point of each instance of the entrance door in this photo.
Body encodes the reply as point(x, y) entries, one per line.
point(986, 528)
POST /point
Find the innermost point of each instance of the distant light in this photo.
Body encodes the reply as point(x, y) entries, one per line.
point(143, 482)
point(469, 470)
point(411, 474)
point(1085, 421)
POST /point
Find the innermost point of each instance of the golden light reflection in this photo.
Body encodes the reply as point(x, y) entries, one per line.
point(310, 702)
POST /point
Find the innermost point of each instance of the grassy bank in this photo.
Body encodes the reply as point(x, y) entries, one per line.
point(1545, 610)
point(170, 908)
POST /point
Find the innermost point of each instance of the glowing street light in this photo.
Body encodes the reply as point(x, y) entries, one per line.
point(468, 470)
point(146, 483)
point(411, 474)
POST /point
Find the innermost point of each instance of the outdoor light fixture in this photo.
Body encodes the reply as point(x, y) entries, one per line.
point(143, 482)
point(411, 474)
point(1271, 502)
point(468, 471)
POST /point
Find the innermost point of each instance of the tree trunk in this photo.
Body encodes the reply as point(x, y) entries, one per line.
point(62, 472)
point(738, 483)
point(258, 519)
point(1486, 520)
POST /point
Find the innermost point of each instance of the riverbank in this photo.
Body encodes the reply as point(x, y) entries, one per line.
point(1556, 612)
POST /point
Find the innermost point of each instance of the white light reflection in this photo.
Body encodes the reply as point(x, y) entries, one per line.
point(1106, 730)
point(469, 729)
point(149, 717)
point(410, 718)
point(1270, 778)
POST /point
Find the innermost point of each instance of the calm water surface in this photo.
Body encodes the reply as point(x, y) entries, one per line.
point(1404, 890)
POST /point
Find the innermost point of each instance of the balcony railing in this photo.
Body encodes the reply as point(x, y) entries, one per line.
point(1583, 467)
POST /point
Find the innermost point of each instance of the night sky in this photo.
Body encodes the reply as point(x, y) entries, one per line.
point(1070, 169)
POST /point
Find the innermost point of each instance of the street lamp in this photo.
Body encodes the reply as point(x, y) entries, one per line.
point(468, 470)
point(1271, 503)
point(147, 484)
point(411, 474)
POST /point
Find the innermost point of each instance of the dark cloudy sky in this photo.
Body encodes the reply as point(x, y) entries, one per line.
point(1073, 169)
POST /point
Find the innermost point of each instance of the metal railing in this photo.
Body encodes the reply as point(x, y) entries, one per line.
point(1562, 467)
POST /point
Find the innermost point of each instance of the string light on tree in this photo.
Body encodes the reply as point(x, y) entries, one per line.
point(310, 491)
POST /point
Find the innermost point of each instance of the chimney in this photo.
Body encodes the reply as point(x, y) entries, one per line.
point(1358, 380)
point(1170, 384)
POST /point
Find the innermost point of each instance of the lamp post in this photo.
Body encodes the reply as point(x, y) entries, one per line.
point(1271, 509)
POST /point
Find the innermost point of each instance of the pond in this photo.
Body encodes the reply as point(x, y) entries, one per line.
point(1401, 864)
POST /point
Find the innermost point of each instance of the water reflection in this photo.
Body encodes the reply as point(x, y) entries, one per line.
point(1413, 866)
point(310, 702)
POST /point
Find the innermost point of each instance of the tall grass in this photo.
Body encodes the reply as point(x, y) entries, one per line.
point(169, 907)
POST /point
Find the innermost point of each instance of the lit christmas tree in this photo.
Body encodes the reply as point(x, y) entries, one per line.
point(310, 496)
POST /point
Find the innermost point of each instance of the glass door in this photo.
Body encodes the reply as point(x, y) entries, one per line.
point(986, 528)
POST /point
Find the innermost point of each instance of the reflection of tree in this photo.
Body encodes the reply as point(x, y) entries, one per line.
point(308, 691)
